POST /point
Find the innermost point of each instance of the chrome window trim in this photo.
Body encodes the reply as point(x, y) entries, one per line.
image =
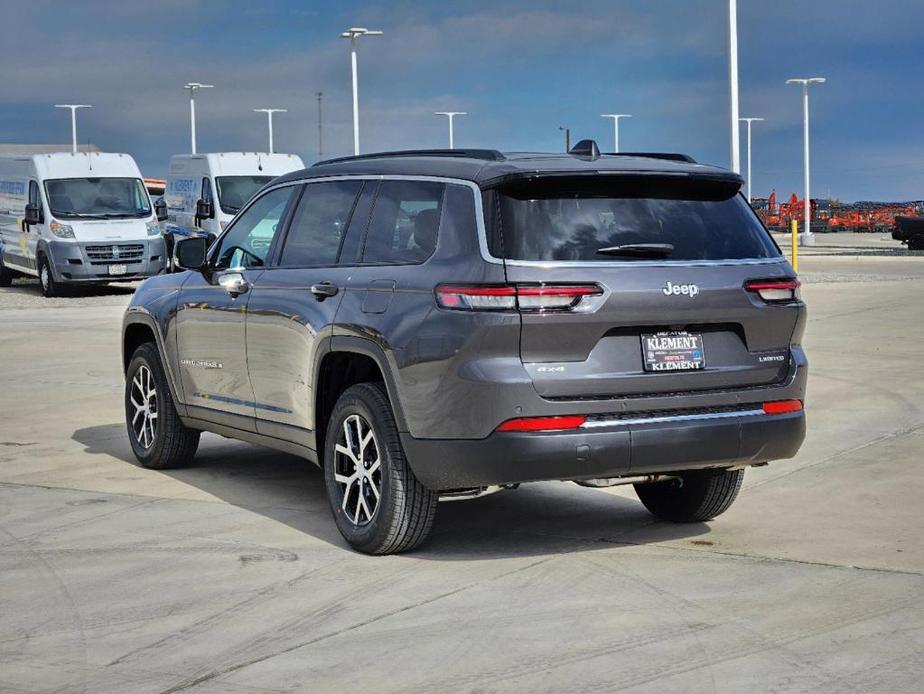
point(597, 424)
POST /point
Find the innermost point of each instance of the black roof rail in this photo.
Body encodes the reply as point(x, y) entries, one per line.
point(484, 154)
point(669, 156)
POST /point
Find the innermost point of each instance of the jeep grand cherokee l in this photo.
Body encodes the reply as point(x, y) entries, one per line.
point(433, 324)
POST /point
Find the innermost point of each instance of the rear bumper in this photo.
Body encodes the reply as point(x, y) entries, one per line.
point(607, 449)
point(72, 262)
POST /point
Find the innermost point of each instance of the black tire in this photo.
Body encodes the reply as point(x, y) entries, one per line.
point(50, 287)
point(6, 275)
point(404, 510)
point(168, 443)
point(699, 495)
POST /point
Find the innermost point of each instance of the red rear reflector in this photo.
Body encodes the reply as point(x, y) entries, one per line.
point(782, 406)
point(543, 423)
point(786, 289)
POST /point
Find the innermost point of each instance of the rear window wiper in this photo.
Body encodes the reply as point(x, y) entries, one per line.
point(639, 250)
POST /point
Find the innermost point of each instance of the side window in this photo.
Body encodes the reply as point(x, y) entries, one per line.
point(405, 221)
point(248, 241)
point(319, 223)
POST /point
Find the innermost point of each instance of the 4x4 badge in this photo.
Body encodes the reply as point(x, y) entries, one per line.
point(689, 290)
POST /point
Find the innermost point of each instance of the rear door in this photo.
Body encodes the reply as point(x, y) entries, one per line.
point(673, 276)
point(293, 304)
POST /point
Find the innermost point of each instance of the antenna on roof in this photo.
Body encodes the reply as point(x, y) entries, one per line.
point(585, 148)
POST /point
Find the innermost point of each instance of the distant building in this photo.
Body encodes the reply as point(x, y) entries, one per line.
point(6, 148)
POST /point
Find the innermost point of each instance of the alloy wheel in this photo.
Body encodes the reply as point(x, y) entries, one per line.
point(144, 399)
point(358, 470)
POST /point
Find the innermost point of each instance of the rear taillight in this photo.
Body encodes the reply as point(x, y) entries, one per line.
point(561, 423)
point(775, 291)
point(782, 406)
point(507, 297)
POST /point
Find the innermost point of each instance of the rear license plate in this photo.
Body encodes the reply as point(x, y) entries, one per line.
point(675, 350)
point(118, 269)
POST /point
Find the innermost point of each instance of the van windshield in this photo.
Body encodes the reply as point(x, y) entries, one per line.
point(97, 198)
point(624, 220)
point(235, 191)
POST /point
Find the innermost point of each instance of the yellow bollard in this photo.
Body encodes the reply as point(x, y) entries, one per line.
point(795, 245)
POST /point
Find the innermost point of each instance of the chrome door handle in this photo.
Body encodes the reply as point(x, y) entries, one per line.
point(233, 283)
point(323, 290)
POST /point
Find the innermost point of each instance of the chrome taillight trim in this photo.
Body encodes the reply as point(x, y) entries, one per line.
point(655, 419)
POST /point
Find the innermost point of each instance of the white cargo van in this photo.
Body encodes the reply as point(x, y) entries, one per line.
point(207, 190)
point(81, 217)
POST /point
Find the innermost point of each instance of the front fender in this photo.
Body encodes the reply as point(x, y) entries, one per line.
point(140, 315)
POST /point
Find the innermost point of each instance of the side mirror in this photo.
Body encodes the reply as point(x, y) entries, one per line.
point(191, 253)
point(33, 214)
point(160, 209)
point(204, 209)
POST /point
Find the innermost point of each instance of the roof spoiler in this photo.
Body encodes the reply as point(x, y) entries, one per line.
point(482, 154)
point(667, 156)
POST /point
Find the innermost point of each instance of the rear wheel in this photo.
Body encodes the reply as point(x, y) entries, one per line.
point(378, 504)
point(696, 495)
point(159, 439)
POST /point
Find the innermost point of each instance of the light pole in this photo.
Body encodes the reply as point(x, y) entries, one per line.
point(73, 108)
point(567, 132)
point(193, 87)
point(749, 121)
point(807, 238)
point(615, 117)
point(450, 115)
point(733, 83)
point(353, 33)
point(269, 121)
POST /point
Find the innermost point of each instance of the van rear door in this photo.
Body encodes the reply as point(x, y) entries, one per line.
point(662, 266)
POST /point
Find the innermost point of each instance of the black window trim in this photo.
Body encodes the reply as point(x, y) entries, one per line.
point(277, 259)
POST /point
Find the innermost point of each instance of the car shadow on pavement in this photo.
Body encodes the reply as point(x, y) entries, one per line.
point(538, 519)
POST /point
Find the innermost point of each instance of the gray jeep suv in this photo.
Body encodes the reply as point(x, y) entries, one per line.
point(442, 324)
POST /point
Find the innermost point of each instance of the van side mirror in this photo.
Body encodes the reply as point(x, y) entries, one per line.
point(204, 209)
point(160, 209)
point(33, 214)
point(191, 253)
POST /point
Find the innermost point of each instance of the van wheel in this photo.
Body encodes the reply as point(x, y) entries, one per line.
point(50, 287)
point(697, 495)
point(6, 275)
point(378, 504)
point(159, 439)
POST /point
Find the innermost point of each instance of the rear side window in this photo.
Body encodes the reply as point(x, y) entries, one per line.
point(319, 223)
point(405, 221)
point(574, 222)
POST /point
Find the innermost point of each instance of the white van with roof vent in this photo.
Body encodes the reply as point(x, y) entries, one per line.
point(82, 217)
point(207, 190)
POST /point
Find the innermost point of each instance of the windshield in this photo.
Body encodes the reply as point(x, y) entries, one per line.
point(235, 191)
point(615, 222)
point(99, 198)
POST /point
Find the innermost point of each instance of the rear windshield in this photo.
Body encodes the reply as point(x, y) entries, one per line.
point(545, 220)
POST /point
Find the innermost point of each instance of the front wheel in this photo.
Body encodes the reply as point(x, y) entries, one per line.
point(695, 496)
point(50, 286)
point(378, 504)
point(159, 439)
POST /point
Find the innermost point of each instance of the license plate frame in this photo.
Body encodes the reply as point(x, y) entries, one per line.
point(672, 351)
point(118, 269)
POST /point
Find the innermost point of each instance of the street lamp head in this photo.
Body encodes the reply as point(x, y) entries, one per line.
point(805, 81)
point(73, 106)
point(192, 86)
point(353, 32)
point(615, 115)
point(271, 110)
point(450, 113)
point(750, 120)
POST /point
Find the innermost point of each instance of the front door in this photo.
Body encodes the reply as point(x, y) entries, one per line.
point(211, 344)
point(293, 304)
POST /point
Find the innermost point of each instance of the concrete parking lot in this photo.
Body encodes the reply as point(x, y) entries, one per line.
point(230, 576)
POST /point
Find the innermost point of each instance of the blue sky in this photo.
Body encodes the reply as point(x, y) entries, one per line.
point(521, 69)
